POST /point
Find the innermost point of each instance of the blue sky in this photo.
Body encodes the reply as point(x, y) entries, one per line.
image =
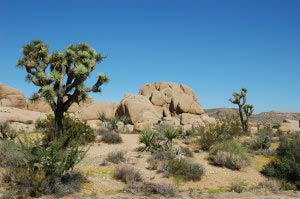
point(216, 47)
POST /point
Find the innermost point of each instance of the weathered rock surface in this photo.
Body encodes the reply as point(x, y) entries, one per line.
point(91, 111)
point(140, 111)
point(176, 98)
point(19, 119)
point(11, 97)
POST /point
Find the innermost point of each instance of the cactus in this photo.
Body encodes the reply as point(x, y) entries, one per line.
point(61, 75)
point(245, 110)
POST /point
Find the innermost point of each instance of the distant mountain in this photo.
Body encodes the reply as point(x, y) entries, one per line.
point(272, 117)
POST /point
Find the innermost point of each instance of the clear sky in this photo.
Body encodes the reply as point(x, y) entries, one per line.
point(214, 46)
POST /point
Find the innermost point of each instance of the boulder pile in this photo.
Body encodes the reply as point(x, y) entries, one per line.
point(163, 102)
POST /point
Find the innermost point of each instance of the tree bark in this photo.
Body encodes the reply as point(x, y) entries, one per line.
point(242, 117)
point(59, 115)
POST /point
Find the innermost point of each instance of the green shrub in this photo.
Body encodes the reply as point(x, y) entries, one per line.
point(127, 174)
point(171, 133)
point(115, 157)
point(152, 140)
point(287, 165)
point(74, 129)
point(111, 137)
point(43, 166)
point(181, 168)
point(224, 129)
point(11, 154)
point(286, 186)
point(229, 154)
point(261, 142)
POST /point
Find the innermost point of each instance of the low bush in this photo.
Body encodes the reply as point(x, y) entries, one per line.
point(270, 185)
point(186, 151)
point(148, 189)
point(111, 137)
point(181, 168)
point(67, 185)
point(238, 186)
point(229, 154)
point(11, 154)
point(287, 165)
point(286, 186)
point(224, 129)
point(115, 157)
point(127, 174)
point(261, 142)
point(6, 133)
point(157, 158)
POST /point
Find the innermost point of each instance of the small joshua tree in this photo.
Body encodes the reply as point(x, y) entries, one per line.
point(61, 75)
point(245, 110)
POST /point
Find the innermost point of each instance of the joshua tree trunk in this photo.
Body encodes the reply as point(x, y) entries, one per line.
point(59, 115)
point(242, 117)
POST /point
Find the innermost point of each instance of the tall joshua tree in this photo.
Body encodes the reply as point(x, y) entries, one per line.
point(61, 75)
point(245, 110)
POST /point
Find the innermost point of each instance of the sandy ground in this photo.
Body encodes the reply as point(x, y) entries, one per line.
point(102, 184)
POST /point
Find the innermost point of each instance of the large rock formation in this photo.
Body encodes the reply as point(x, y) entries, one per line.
point(140, 111)
point(164, 102)
point(11, 97)
point(177, 99)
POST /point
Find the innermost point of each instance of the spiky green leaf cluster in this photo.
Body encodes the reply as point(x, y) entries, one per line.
point(48, 93)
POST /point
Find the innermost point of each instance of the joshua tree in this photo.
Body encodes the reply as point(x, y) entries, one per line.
point(245, 110)
point(61, 75)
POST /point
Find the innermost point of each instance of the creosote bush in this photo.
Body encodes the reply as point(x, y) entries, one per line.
point(115, 157)
point(127, 174)
point(229, 154)
point(224, 129)
point(287, 165)
point(183, 169)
